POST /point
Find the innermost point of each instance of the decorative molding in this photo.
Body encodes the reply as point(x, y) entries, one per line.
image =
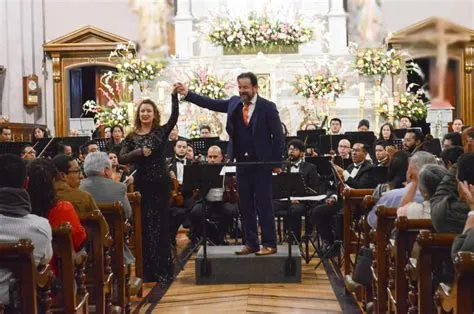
point(86, 46)
point(469, 59)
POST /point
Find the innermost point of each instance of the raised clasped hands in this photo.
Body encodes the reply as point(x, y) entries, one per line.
point(180, 88)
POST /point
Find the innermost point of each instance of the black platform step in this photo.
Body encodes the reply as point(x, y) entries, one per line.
point(224, 267)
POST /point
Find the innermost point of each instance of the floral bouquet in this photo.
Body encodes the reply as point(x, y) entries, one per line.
point(318, 86)
point(110, 114)
point(193, 130)
point(410, 105)
point(132, 69)
point(204, 83)
point(378, 62)
point(257, 31)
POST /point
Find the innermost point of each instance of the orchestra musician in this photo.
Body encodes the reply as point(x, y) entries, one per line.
point(296, 152)
point(219, 210)
point(381, 154)
point(180, 207)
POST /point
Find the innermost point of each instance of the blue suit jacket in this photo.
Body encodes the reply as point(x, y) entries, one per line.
point(266, 125)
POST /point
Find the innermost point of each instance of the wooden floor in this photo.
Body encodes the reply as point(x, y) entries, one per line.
point(313, 295)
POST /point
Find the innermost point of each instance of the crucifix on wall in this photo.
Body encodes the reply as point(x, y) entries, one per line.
point(442, 40)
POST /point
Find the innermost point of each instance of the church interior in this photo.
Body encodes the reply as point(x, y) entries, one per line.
point(203, 156)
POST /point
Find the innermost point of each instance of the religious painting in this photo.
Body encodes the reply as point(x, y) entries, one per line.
point(264, 85)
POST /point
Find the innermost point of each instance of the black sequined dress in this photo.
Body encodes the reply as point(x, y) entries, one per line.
point(153, 182)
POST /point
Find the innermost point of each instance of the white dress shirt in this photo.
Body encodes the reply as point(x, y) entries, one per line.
point(295, 167)
point(353, 173)
point(180, 169)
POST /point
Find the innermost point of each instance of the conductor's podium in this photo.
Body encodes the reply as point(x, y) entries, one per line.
point(224, 267)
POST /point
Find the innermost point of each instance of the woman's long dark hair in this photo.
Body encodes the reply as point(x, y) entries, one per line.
point(397, 169)
point(392, 131)
point(41, 173)
point(33, 137)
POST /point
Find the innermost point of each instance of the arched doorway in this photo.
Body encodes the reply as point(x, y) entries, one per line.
point(87, 48)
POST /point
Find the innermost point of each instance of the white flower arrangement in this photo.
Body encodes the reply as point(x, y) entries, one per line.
point(110, 114)
point(378, 61)
point(410, 105)
point(257, 31)
point(205, 83)
point(318, 86)
point(134, 69)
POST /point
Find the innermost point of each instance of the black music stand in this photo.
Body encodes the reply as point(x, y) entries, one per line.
point(12, 147)
point(311, 137)
point(363, 137)
point(203, 177)
point(396, 142)
point(433, 147)
point(223, 146)
point(287, 185)
point(202, 144)
point(329, 142)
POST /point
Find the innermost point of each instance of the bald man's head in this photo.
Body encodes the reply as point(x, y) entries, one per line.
point(214, 155)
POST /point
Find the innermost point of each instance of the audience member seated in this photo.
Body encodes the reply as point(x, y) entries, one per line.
point(356, 175)
point(16, 220)
point(28, 153)
point(394, 197)
point(429, 178)
point(344, 149)
point(451, 155)
point(174, 135)
point(41, 175)
point(107, 133)
point(296, 152)
point(38, 134)
point(99, 182)
point(67, 184)
point(405, 123)
point(205, 131)
point(413, 140)
point(100, 185)
point(457, 125)
point(219, 212)
point(115, 142)
point(387, 132)
point(335, 127)
point(64, 149)
point(448, 211)
point(465, 177)
point(364, 125)
point(451, 139)
point(381, 155)
point(119, 173)
point(5, 134)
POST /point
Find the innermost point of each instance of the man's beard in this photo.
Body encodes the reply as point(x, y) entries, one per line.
point(246, 97)
point(181, 156)
point(294, 158)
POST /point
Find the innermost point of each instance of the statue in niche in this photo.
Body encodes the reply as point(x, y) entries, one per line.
point(366, 23)
point(154, 18)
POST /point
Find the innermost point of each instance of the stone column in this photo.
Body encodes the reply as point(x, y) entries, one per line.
point(184, 29)
point(337, 25)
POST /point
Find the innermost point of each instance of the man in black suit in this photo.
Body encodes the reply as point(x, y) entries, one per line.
point(179, 214)
point(296, 152)
point(356, 176)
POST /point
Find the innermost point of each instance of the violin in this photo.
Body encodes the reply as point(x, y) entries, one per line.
point(176, 197)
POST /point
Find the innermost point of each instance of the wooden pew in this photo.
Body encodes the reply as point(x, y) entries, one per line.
point(71, 272)
point(352, 199)
point(385, 222)
point(459, 297)
point(434, 248)
point(99, 271)
point(114, 214)
point(399, 251)
point(32, 285)
point(135, 241)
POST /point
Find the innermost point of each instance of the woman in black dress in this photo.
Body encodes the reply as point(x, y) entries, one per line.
point(145, 148)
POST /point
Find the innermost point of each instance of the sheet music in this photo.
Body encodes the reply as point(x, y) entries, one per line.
point(228, 169)
point(306, 198)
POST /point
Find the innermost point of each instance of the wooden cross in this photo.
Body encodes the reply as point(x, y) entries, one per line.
point(441, 39)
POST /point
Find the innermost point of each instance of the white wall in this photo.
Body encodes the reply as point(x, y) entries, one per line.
point(398, 14)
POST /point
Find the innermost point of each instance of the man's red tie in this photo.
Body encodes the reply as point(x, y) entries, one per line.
point(245, 114)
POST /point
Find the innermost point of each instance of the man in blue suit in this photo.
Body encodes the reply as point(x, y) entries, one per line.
point(255, 134)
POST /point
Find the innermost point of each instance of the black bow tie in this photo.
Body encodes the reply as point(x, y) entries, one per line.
point(356, 166)
point(295, 165)
point(180, 160)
